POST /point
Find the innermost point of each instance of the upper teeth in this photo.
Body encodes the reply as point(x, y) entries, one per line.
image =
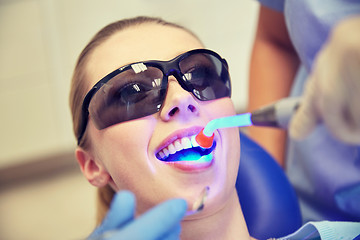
point(178, 145)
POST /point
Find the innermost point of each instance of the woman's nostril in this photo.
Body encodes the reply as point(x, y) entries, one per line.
point(173, 111)
point(191, 108)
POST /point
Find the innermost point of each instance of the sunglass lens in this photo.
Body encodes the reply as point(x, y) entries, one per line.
point(206, 75)
point(134, 93)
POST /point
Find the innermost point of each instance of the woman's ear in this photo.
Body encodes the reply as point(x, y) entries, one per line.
point(93, 170)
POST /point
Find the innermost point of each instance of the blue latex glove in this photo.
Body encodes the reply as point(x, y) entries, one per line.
point(161, 222)
point(332, 91)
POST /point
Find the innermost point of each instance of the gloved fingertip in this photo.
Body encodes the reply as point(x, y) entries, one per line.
point(120, 212)
point(301, 124)
point(306, 116)
point(122, 200)
point(122, 197)
point(295, 131)
point(177, 206)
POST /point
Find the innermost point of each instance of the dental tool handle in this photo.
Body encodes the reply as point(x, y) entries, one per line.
point(240, 120)
point(277, 114)
point(206, 136)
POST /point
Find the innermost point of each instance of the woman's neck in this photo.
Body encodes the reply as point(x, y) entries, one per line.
point(227, 223)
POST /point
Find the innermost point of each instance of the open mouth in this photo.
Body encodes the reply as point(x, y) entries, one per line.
point(184, 149)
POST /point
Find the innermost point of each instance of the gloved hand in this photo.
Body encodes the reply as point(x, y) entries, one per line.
point(160, 222)
point(332, 93)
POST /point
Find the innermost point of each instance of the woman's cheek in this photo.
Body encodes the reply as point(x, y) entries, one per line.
point(220, 108)
point(125, 151)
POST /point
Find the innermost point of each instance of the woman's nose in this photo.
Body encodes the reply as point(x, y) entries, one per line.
point(178, 103)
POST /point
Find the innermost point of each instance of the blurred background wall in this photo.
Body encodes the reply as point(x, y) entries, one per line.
point(42, 192)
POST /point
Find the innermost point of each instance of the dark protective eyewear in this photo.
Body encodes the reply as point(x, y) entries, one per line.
point(139, 89)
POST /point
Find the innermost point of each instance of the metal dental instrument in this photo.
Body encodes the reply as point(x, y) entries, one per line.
point(277, 114)
point(199, 204)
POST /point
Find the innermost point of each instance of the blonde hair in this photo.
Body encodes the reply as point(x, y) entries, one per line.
point(79, 87)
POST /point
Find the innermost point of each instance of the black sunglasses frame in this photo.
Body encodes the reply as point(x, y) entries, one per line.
point(168, 68)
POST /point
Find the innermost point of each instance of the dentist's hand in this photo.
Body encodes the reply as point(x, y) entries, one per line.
point(332, 93)
point(161, 222)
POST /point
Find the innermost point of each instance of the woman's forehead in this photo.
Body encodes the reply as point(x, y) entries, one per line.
point(139, 43)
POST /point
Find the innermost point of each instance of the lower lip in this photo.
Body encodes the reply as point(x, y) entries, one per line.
point(194, 166)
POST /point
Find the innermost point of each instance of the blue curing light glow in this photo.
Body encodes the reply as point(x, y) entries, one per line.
point(240, 120)
point(197, 158)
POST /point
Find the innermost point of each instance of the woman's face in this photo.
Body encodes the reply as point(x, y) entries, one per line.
point(127, 151)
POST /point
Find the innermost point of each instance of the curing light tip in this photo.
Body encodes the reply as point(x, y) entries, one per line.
point(203, 140)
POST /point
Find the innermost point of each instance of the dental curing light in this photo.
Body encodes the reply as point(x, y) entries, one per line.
point(277, 114)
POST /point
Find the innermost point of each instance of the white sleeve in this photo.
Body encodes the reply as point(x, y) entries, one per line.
point(326, 230)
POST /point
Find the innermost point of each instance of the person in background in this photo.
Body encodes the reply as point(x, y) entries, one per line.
point(309, 49)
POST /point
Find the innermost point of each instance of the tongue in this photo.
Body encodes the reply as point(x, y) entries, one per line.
point(184, 155)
